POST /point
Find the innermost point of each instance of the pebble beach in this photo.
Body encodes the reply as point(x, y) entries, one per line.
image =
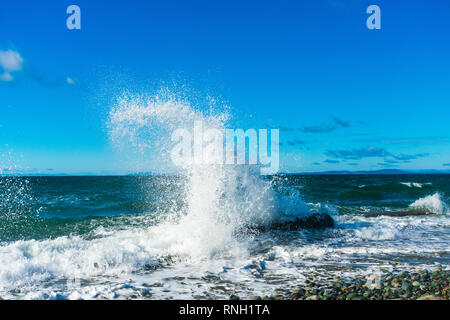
point(424, 284)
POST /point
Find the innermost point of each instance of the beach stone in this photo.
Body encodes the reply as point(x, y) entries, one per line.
point(402, 286)
point(146, 292)
point(423, 278)
point(301, 292)
point(405, 286)
point(351, 296)
point(429, 297)
point(372, 277)
point(254, 298)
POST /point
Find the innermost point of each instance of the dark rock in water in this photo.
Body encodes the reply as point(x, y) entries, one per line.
point(397, 214)
point(314, 221)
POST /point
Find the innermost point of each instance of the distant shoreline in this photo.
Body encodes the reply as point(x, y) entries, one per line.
point(324, 173)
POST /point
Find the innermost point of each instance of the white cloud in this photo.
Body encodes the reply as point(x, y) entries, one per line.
point(5, 76)
point(70, 81)
point(10, 61)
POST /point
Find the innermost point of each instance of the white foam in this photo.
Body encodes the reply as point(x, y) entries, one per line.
point(29, 262)
point(108, 260)
point(432, 204)
point(415, 184)
point(377, 233)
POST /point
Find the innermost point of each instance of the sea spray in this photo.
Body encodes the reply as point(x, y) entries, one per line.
point(222, 201)
point(432, 204)
point(15, 197)
point(147, 122)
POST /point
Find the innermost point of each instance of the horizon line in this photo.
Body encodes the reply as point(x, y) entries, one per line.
point(327, 172)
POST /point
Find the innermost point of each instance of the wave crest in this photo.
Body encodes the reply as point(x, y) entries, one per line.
point(432, 204)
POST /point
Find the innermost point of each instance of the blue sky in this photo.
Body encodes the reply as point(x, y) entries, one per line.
point(345, 97)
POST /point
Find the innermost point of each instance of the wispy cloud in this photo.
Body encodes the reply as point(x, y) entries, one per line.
point(408, 157)
point(391, 161)
point(285, 129)
point(372, 152)
point(403, 140)
point(341, 123)
point(49, 82)
point(73, 82)
point(323, 128)
point(332, 161)
point(69, 80)
point(335, 124)
point(357, 154)
point(10, 61)
point(327, 127)
point(296, 142)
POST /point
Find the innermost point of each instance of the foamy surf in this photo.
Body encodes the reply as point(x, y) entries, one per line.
point(432, 204)
point(415, 184)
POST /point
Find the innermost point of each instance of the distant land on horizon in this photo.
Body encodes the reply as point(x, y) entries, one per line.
point(336, 172)
point(381, 171)
point(341, 172)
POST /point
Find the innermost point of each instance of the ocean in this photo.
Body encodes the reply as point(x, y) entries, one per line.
point(193, 236)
